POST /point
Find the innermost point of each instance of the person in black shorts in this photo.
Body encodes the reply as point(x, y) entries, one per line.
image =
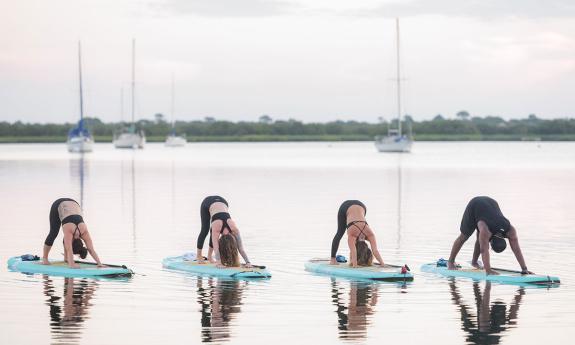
point(484, 215)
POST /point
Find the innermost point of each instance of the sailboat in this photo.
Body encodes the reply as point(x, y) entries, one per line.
point(174, 140)
point(130, 137)
point(395, 141)
point(79, 138)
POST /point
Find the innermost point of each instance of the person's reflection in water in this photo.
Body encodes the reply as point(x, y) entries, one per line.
point(219, 300)
point(68, 314)
point(491, 320)
point(362, 299)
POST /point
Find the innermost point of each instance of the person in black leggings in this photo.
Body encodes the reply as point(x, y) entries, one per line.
point(67, 213)
point(224, 234)
point(351, 217)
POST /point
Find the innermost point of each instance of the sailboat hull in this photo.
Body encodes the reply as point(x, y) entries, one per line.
point(175, 141)
point(130, 141)
point(80, 144)
point(393, 143)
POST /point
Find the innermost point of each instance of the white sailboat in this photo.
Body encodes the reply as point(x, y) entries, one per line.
point(130, 137)
point(79, 138)
point(395, 141)
point(174, 140)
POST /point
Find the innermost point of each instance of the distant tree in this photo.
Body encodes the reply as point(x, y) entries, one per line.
point(463, 115)
point(381, 119)
point(408, 119)
point(265, 119)
point(438, 117)
point(532, 117)
point(209, 119)
point(159, 117)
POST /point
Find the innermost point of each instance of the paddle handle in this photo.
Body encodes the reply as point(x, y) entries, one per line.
point(93, 263)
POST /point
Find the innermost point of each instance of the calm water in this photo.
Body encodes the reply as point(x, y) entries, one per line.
point(142, 206)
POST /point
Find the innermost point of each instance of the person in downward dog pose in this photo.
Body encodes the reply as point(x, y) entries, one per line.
point(351, 217)
point(225, 239)
point(67, 213)
point(484, 215)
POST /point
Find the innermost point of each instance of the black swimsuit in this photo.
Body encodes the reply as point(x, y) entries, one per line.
point(55, 222)
point(341, 223)
point(205, 218)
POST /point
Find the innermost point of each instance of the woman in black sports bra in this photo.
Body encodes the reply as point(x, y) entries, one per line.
point(225, 239)
point(351, 217)
point(66, 213)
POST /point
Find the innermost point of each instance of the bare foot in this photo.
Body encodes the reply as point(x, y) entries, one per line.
point(492, 272)
point(451, 265)
point(477, 265)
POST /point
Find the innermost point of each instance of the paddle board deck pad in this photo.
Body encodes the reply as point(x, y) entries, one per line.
point(505, 276)
point(375, 272)
point(61, 268)
point(187, 264)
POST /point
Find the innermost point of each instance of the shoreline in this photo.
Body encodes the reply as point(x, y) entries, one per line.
point(299, 138)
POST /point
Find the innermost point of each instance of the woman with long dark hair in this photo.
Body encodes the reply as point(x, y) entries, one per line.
point(67, 213)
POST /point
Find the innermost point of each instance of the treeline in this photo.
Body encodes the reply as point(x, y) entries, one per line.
point(464, 127)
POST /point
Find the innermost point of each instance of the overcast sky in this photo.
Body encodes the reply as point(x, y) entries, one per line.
point(311, 60)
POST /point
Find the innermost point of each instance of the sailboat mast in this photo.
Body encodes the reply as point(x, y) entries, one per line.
point(133, 77)
point(80, 74)
point(398, 78)
point(173, 104)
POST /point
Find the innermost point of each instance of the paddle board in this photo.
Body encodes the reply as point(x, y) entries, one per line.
point(183, 263)
point(374, 272)
point(505, 276)
point(61, 268)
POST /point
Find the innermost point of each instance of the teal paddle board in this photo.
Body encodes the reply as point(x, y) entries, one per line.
point(505, 276)
point(374, 272)
point(61, 268)
point(182, 263)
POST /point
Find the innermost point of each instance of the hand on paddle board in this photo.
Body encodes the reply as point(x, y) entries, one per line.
point(248, 265)
point(526, 272)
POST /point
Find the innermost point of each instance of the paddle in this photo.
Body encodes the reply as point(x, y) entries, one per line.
point(94, 264)
point(394, 266)
point(510, 271)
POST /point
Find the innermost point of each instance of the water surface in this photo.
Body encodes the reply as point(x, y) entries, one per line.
point(144, 205)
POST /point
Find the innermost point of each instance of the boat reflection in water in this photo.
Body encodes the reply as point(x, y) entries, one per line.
point(70, 309)
point(491, 320)
point(355, 316)
point(220, 301)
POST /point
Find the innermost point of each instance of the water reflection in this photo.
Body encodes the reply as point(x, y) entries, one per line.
point(220, 301)
point(78, 173)
point(355, 316)
point(491, 320)
point(68, 313)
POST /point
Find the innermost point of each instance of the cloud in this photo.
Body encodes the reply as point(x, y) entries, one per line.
point(473, 8)
point(227, 8)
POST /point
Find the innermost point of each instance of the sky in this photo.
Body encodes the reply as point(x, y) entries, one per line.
point(309, 60)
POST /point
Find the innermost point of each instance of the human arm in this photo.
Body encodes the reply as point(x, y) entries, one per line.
point(374, 250)
point(242, 250)
point(457, 244)
point(476, 253)
point(90, 246)
point(514, 243)
point(352, 250)
point(68, 254)
point(484, 236)
point(216, 245)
